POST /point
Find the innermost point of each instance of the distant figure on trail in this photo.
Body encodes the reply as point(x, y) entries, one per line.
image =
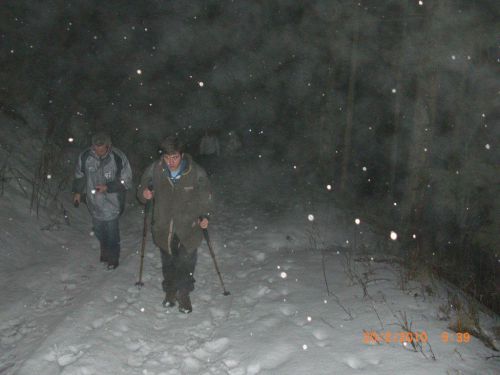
point(233, 143)
point(102, 177)
point(181, 195)
point(209, 151)
point(209, 144)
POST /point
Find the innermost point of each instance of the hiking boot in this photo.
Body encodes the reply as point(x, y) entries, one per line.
point(184, 302)
point(112, 266)
point(170, 299)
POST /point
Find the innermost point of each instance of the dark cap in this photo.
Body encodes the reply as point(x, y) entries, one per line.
point(100, 139)
point(171, 145)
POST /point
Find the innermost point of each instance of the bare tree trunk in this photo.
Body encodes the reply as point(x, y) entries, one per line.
point(327, 134)
point(424, 116)
point(346, 150)
point(394, 157)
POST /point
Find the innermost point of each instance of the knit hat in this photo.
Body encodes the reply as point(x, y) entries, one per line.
point(100, 139)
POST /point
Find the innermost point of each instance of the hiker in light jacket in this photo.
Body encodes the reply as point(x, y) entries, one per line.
point(102, 177)
point(181, 195)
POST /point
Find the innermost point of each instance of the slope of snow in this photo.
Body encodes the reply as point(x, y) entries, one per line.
point(62, 313)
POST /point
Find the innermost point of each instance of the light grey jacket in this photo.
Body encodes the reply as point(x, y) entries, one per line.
point(112, 170)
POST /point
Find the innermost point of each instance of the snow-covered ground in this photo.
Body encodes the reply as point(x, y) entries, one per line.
point(63, 313)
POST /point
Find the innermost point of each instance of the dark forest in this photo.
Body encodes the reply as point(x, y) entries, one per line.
point(392, 103)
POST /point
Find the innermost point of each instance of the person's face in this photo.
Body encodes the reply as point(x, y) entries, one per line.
point(173, 160)
point(100, 150)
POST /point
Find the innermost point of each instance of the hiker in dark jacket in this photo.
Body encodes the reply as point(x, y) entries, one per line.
point(102, 177)
point(182, 201)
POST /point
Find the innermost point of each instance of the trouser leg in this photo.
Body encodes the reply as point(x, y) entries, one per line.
point(113, 241)
point(185, 263)
point(178, 267)
point(168, 270)
point(108, 234)
point(99, 227)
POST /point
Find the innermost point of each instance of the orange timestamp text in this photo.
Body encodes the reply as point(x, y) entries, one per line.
point(374, 337)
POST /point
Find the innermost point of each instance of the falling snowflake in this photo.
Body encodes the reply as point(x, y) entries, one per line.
point(283, 275)
point(487, 146)
point(139, 71)
point(393, 235)
point(201, 84)
point(70, 140)
point(310, 217)
point(328, 187)
point(357, 221)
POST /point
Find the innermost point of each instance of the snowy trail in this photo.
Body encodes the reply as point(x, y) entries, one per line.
point(279, 318)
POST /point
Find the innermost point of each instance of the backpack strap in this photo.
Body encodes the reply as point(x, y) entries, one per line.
point(121, 193)
point(119, 164)
point(83, 159)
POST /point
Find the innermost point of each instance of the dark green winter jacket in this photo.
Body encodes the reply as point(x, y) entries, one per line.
point(177, 206)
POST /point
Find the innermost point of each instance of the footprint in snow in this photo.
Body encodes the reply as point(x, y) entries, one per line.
point(355, 363)
point(231, 364)
point(217, 313)
point(259, 256)
point(65, 356)
point(258, 291)
point(191, 364)
point(205, 297)
point(320, 334)
point(288, 309)
point(99, 322)
point(217, 346)
point(135, 360)
point(109, 298)
point(269, 356)
point(243, 273)
point(264, 324)
point(168, 359)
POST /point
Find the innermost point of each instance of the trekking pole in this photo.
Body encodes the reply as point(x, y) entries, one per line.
point(207, 238)
point(144, 235)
